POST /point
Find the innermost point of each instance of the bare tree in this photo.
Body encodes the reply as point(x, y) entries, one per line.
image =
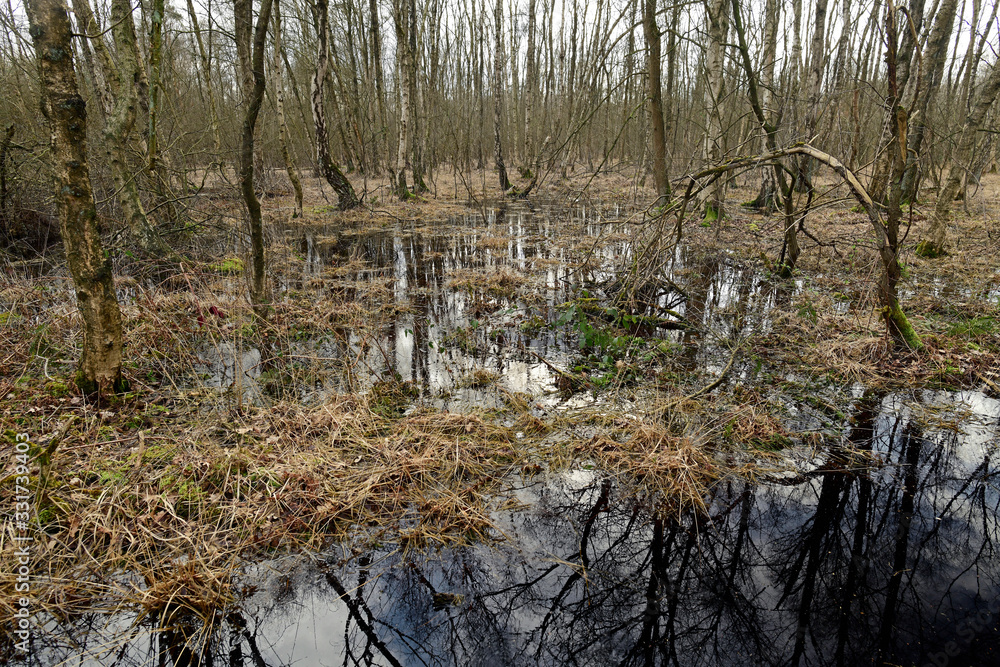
point(279, 104)
point(499, 79)
point(654, 88)
point(100, 364)
point(346, 197)
point(254, 88)
point(206, 75)
point(936, 241)
point(125, 81)
point(405, 72)
point(933, 61)
point(717, 27)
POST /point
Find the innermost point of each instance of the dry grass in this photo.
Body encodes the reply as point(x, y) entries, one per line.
point(500, 282)
point(155, 502)
point(668, 472)
point(161, 520)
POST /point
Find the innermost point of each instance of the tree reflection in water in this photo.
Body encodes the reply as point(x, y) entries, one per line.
point(884, 553)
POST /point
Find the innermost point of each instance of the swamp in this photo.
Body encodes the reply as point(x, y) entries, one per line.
point(451, 443)
point(294, 371)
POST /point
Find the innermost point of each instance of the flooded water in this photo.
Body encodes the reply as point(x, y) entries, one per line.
point(882, 550)
point(878, 548)
point(448, 317)
point(441, 309)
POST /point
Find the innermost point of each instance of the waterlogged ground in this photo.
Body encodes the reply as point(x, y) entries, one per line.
point(483, 300)
point(881, 550)
point(861, 528)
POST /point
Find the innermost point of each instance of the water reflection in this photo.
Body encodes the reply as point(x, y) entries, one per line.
point(882, 550)
point(435, 317)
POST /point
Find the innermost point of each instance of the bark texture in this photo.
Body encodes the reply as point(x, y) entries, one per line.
point(654, 87)
point(99, 369)
point(346, 197)
point(123, 81)
point(936, 242)
point(279, 104)
point(400, 11)
point(258, 284)
point(498, 79)
point(717, 19)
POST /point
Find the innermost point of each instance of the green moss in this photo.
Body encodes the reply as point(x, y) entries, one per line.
point(389, 398)
point(975, 327)
point(775, 442)
point(159, 455)
point(57, 389)
point(930, 250)
point(230, 266)
point(901, 329)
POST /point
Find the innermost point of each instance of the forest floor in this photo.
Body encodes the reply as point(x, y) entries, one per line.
point(155, 499)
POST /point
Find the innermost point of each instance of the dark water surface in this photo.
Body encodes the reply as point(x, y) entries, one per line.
point(881, 551)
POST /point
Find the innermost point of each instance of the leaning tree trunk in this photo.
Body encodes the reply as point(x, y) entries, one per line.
point(936, 242)
point(120, 84)
point(934, 59)
point(886, 242)
point(654, 88)
point(258, 284)
point(346, 197)
point(101, 358)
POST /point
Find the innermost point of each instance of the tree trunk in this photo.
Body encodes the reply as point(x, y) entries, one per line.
point(125, 77)
point(346, 198)
point(416, 138)
point(530, 89)
point(769, 56)
point(155, 63)
point(258, 283)
point(817, 62)
point(654, 88)
point(498, 80)
point(888, 242)
point(717, 19)
point(375, 38)
point(935, 56)
point(279, 99)
point(936, 242)
point(99, 369)
point(403, 71)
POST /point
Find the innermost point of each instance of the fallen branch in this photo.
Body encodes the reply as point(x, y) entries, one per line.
point(704, 390)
